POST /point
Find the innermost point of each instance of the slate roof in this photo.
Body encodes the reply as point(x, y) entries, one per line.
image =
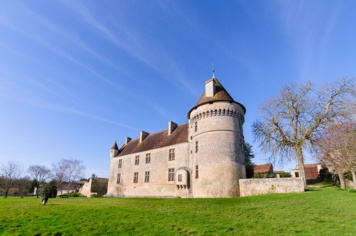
point(220, 95)
point(114, 146)
point(265, 168)
point(156, 140)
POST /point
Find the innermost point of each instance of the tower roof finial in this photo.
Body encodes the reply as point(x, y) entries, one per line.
point(213, 71)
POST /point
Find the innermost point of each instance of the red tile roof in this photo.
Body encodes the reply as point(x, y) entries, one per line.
point(310, 165)
point(263, 168)
point(156, 140)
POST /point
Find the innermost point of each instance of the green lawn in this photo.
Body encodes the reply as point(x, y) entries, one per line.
point(320, 211)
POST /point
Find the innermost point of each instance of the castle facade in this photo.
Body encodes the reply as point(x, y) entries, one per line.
point(203, 158)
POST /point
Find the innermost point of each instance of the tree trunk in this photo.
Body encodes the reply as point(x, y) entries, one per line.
point(342, 179)
point(6, 192)
point(353, 177)
point(301, 164)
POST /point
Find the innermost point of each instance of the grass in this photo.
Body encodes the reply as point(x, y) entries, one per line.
point(319, 211)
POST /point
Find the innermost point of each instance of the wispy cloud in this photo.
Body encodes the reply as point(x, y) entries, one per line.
point(126, 38)
point(60, 52)
point(93, 116)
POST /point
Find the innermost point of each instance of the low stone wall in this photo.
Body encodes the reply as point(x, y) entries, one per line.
point(251, 187)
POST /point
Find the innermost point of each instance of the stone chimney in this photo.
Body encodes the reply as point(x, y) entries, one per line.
point(210, 88)
point(127, 140)
point(171, 127)
point(143, 135)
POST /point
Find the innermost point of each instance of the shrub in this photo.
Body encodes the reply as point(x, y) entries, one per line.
point(284, 175)
point(76, 194)
point(50, 191)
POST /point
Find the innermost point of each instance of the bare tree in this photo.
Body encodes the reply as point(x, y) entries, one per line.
point(74, 171)
point(23, 185)
point(59, 170)
point(290, 122)
point(336, 148)
point(40, 173)
point(9, 173)
point(67, 170)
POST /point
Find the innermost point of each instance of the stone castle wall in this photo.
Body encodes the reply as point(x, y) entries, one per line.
point(251, 187)
point(159, 186)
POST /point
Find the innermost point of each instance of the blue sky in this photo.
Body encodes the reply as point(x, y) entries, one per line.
point(77, 75)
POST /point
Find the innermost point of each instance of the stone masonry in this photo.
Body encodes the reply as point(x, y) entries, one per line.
point(203, 158)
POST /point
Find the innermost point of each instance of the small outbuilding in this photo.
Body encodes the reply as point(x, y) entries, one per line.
point(262, 171)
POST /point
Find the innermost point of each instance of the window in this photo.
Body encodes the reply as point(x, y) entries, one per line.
point(137, 160)
point(196, 171)
point(120, 163)
point(171, 174)
point(180, 178)
point(296, 174)
point(148, 158)
point(196, 126)
point(118, 178)
point(147, 177)
point(135, 177)
point(196, 146)
point(171, 154)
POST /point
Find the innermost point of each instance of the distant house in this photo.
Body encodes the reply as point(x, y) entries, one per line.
point(264, 170)
point(73, 187)
point(311, 171)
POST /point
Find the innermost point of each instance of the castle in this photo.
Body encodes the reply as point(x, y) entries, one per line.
point(201, 159)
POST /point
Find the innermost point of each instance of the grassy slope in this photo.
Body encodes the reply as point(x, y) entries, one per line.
point(323, 211)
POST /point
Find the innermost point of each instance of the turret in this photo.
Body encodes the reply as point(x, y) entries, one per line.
point(216, 142)
point(114, 151)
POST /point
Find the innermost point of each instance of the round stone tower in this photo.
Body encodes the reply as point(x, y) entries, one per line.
point(216, 143)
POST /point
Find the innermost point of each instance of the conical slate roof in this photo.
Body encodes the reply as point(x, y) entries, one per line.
point(115, 146)
point(220, 95)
